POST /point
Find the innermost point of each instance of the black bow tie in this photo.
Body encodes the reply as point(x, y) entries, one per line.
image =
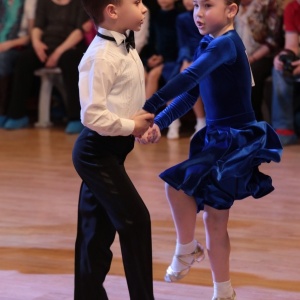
point(129, 41)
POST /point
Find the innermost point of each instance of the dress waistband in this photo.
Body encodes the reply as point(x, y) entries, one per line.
point(236, 121)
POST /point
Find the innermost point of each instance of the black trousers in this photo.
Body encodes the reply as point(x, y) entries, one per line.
point(109, 203)
point(23, 77)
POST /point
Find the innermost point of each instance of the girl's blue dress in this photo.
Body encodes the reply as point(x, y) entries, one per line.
point(224, 158)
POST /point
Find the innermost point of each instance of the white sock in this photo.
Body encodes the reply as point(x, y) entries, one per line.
point(201, 122)
point(223, 289)
point(181, 249)
point(175, 124)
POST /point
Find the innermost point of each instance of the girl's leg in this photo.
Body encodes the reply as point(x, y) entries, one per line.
point(184, 212)
point(218, 249)
point(188, 250)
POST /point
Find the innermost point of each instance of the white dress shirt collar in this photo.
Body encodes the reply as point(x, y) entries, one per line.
point(119, 37)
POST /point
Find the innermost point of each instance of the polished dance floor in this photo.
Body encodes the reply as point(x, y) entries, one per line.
point(38, 207)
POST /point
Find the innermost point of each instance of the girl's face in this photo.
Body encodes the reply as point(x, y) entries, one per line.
point(214, 17)
point(132, 14)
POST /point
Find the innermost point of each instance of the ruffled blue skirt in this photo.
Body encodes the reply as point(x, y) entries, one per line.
point(223, 164)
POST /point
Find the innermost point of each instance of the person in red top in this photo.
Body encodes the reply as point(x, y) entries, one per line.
point(286, 79)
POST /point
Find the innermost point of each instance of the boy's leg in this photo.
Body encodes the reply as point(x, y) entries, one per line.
point(109, 183)
point(95, 234)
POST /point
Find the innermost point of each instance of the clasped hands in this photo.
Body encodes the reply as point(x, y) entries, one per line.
point(145, 131)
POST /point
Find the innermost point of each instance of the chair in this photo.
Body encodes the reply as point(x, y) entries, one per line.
point(50, 77)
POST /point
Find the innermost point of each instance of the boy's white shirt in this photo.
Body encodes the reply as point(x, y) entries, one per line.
point(111, 85)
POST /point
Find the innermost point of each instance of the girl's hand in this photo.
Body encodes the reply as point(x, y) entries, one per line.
point(143, 139)
point(152, 135)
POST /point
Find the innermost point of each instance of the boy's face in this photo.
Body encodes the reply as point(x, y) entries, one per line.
point(166, 4)
point(131, 14)
point(213, 16)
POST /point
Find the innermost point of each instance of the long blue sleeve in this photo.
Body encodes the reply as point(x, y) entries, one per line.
point(185, 86)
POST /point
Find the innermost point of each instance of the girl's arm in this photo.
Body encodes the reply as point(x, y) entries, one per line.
point(210, 59)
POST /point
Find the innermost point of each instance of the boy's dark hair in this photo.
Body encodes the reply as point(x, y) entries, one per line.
point(94, 8)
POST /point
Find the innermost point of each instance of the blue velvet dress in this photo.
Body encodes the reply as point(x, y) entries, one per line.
point(224, 158)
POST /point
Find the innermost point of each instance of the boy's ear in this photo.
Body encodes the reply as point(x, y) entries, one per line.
point(111, 11)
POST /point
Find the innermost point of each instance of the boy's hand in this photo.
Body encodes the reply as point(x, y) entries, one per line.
point(142, 123)
point(142, 112)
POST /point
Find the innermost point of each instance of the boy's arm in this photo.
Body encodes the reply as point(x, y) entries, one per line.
point(96, 80)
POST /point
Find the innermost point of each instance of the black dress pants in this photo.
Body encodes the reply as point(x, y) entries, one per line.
point(109, 203)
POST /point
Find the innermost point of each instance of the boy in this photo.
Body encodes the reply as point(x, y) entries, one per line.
point(111, 84)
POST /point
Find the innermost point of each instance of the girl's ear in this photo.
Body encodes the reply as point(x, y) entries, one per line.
point(111, 11)
point(233, 10)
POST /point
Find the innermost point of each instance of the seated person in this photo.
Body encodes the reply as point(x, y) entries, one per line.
point(286, 79)
point(259, 23)
point(16, 23)
point(162, 50)
point(188, 40)
point(57, 41)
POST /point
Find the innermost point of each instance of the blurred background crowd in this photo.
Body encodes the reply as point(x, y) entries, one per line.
point(39, 34)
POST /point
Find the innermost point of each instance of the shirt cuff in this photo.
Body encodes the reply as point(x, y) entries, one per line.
point(127, 127)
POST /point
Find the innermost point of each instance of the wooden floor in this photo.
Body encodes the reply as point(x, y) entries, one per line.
point(38, 207)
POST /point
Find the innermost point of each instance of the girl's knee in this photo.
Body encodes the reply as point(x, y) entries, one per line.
point(215, 218)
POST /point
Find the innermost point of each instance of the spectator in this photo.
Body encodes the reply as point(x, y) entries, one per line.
point(286, 77)
point(162, 47)
point(258, 23)
point(57, 41)
point(16, 22)
point(188, 40)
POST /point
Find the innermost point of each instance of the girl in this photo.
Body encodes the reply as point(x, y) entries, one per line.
point(225, 155)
